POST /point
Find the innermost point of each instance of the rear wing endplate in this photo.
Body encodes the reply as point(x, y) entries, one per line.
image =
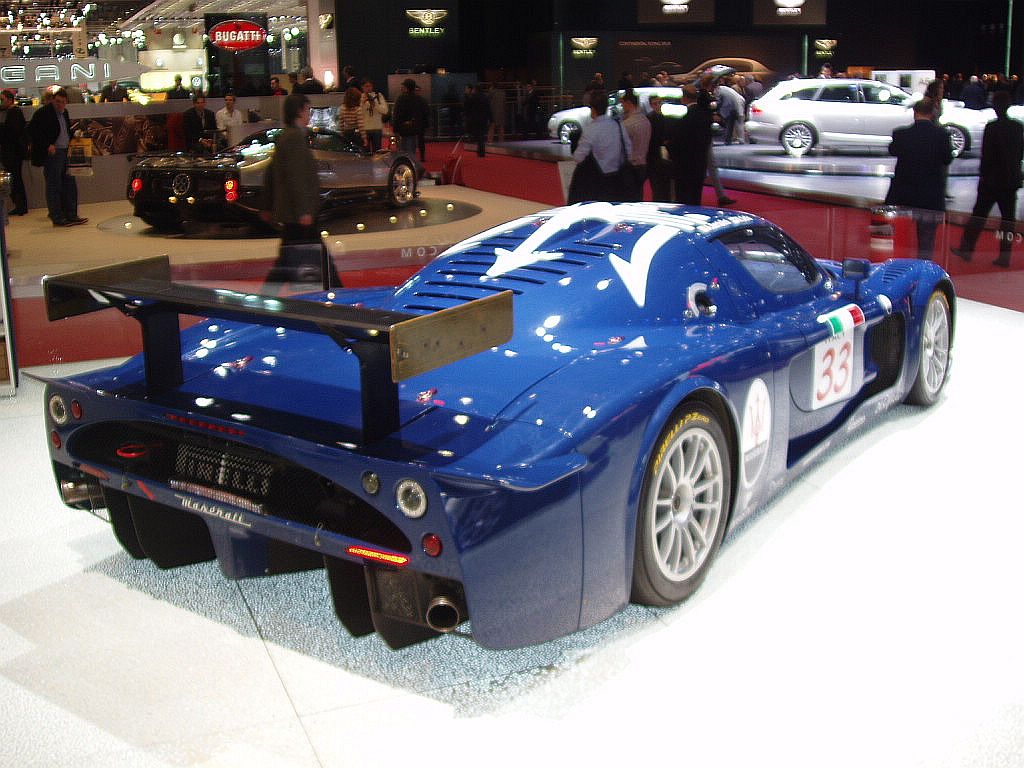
point(391, 346)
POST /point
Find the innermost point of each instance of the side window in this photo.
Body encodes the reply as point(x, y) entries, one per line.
point(881, 94)
point(804, 94)
point(330, 142)
point(838, 93)
point(777, 263)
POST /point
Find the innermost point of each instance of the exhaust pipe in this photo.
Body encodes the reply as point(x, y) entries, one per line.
point(76, 493)
point(443, 614)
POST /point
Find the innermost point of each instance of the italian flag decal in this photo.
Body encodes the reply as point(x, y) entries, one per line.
point(844, 319)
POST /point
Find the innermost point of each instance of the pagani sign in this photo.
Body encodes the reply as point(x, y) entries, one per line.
point(429, 22)
point(28, 74)
point(237, 35)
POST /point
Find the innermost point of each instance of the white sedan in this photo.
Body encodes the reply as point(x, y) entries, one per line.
point(849, 113)
point(567, 123)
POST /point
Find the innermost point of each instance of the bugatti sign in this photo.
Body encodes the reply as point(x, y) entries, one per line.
point(237, 35)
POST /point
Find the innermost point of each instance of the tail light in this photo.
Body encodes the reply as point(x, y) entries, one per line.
point(136, 186)
point(231, 190)
point(755, 110)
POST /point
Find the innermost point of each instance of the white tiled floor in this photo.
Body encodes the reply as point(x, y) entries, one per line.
point(870, 616)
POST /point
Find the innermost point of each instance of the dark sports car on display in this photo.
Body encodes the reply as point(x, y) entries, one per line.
point(556, 417)
point(170, 190)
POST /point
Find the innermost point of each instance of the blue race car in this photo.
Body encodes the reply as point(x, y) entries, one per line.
point(557, 416)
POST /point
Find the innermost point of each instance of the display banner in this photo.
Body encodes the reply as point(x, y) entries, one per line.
point(675, 11)
point(790, 12)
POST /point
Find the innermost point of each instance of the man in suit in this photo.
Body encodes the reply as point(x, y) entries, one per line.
point(114, 92)
point(50, 132)
point(923, 151)
point(689, 142)
point(1002, 150)
point(12, 149)
point(199, 125)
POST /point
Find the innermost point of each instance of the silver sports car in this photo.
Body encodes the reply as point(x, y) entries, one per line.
point(845, 113)
point(169, 191)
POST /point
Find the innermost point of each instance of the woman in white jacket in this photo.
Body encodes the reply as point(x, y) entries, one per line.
point(375, 112)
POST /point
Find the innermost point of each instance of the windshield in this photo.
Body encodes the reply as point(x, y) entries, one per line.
point(258, 143)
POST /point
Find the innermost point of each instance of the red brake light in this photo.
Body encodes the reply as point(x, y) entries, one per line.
point(230, 185)
point(375, 554)
point(136, 186)
point(755, 110)
point(76, 409)
point(432, 545)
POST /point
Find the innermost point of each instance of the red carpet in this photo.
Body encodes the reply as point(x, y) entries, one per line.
point(502, 174)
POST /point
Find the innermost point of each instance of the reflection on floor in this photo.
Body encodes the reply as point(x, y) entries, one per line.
point(367, 247)
point(869, 616)
point(351, 220)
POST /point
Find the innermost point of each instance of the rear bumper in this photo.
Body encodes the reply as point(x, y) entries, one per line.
point(511, 559)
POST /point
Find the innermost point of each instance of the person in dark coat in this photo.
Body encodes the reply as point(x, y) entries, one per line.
point(476, 113)
point(50, 133)
point(410, 117)
point(292, 197)
point(659, 169)
point(688, 144)
point(923, 152)
point(308, 83)
point(114, 92)
point(1002, 151)
point(179, 91)
point(531, 111)
point(12, 150)
point(973, 94)
point(199, 125)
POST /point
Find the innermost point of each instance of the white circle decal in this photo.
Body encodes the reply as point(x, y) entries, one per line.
point(757, 428)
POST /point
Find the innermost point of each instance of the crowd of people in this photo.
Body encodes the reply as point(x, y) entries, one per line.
point(616, 158)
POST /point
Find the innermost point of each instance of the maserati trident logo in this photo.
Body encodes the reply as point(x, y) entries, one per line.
point(181, 184)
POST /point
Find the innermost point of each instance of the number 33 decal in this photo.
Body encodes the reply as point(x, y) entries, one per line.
point(833, 370)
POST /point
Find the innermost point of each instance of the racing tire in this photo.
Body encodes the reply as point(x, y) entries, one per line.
point(401, 184)
point(933, 357)
point(568, 131)
point(798, 139)
point(684, 508)
point(959, 139)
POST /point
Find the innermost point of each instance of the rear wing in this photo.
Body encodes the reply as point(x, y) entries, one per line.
point(391, 346)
